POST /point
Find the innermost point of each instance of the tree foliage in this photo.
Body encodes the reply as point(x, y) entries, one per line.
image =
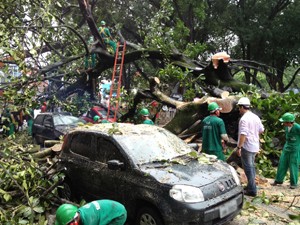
point(171, 39)
point(28, 187)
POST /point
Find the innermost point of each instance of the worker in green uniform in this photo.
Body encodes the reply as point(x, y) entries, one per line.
point(145, 117)
point(213, 132)
point(289, 158)
point(8, 122)
point(90, 60)
point(100, 212)
point(29, 116)
point(106, 36)
point(96, 119)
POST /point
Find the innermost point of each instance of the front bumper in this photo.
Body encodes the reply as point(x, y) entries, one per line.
point(218, 210)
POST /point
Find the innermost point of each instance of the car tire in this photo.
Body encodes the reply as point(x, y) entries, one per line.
point(148, 216)
point(66, 191)
point(34, 140)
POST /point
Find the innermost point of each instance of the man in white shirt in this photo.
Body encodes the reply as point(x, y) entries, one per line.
point(250, 127)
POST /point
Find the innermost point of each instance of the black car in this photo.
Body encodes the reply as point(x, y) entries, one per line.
point(51, 126)
point(157, 176)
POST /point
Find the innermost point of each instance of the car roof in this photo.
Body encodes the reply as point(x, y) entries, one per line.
point(119, 129)
point(56, 113)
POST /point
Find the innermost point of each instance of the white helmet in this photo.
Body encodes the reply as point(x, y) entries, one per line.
point(244, 101)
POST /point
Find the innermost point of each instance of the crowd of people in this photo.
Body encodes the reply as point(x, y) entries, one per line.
point(214, 138)
point(248, 145)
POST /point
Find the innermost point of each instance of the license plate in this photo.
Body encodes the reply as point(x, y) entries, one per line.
point(228, 208)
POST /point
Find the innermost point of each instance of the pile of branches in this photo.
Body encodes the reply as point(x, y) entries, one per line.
point(28, 182)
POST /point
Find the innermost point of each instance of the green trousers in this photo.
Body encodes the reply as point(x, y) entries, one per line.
point(29, 124)
point(113, 45)
point(11, 129)
point(90, 61)
point(288, 160)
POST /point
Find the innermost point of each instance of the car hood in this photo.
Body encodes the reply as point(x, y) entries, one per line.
point(64, 129)
point(193, 173)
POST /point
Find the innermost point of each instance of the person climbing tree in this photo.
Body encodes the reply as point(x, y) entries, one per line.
point(90, 60)
point(106, 36)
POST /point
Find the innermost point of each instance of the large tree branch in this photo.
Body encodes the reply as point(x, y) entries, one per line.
point(87, 13)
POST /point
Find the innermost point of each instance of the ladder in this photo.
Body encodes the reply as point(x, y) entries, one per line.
point(116, 81)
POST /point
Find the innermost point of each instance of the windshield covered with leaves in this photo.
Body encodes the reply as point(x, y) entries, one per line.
point(65, 120)
point(153, 147)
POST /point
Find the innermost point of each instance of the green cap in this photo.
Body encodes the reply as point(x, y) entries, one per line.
point(102, 22)
point(213, 107)
point(144, 112)
point(96, 118)
point(65, 213)
point(287, 117)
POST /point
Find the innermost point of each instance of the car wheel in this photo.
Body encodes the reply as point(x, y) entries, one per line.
point(148, 216)
point(66, 191)
point(34, 140)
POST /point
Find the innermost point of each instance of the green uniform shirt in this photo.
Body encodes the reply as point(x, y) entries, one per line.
point(292, 138)
point(102, 212)
point(105, 34)
point(212, 128)
point(150, 122)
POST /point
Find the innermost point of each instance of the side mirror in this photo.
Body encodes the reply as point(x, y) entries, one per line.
point(115, 164)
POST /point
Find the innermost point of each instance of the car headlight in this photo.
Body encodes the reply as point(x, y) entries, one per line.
point(235, 175)
point(184, 193)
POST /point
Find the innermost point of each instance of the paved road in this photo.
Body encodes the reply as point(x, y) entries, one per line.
point(276, 212)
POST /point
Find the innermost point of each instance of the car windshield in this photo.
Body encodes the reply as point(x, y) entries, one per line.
point(103, 112)
point(65, 120)
point(158, 146)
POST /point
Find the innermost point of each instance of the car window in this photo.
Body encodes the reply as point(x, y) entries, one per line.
point(88, 114)
point(39, 120)
point(106, 151)
point(65, 120)
point(48, 121)
point(158, 146)
point(93, 113)
point(81, 144)
point(103, 112)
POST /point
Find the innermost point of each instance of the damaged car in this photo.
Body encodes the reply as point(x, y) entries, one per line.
point(159, 178)
point(53, 125)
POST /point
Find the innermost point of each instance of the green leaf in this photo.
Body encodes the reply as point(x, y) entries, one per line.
point(23, 221)
point(24, 185)
point(7, 197)
point(2, 191)
point(38, 209)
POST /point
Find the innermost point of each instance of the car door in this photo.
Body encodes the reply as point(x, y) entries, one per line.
point(48, 128)
point(37, 128)
point(111, 181)
point(78, 163)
